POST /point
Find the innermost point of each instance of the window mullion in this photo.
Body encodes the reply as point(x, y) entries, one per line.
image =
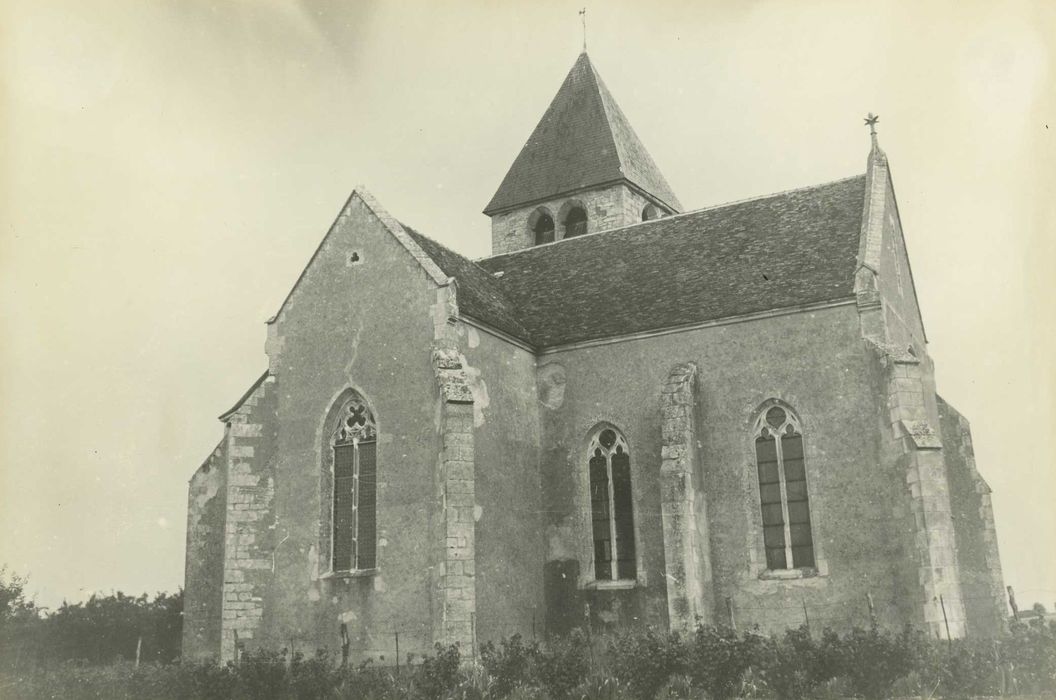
point(613, 563)
point(784, 501)
point(355, 504)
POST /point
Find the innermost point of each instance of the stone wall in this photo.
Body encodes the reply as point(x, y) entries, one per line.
point(914, 446)
point(204, 569)
point(367, 325)
point(814, 361)
point(683, 504)
point(911, 436)
point(607, 208)
point(509, 534)
point(982, 582)
point(456, 574)
point(249, 521)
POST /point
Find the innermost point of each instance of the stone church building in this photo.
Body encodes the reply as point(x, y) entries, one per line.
point(629, 414)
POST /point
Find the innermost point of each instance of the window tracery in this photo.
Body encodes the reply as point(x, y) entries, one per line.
point(354, 504)
point(612, 509)
point(787, 535)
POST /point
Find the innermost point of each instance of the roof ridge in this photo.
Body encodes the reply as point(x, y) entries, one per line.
point(616, 120)
point(676, 216)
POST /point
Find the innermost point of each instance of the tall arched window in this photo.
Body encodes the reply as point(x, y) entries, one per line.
point(611, 507)
point(542, 225)
point(354, 516)
point(783, 490)
point(575, 222)
point(650, 212)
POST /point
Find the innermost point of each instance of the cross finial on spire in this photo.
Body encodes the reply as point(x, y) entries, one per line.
point(583, 16)
point(870, 121)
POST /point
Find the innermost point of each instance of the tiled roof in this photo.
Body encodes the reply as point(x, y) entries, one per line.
point(479, 293)
point(783, 250)
point(583, 140)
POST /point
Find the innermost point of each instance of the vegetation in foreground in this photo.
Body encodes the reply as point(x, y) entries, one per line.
point(88, 650)
point(713, 663)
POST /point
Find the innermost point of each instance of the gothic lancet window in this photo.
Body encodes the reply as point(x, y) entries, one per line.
point(354, 515)
point(611, 507)
point(787, 535)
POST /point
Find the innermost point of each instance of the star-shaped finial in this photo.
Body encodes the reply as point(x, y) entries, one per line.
point(870, 121)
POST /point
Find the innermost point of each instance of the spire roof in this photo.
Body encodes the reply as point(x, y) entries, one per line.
point(583, 140)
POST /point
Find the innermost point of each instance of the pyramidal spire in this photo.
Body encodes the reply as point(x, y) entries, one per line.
point(583, 141)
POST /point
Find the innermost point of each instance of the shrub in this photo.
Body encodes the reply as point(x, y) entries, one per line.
point(365, 681)
point(261, 674)
point(315, 678)
point(871, 660)
point(438, 674)
point(645, 661)
point(716, 659)
point(792, 666)
point(961, 669)
point(597, 687)
point(206, 680)
point(565, 665)
point(509, 665)
point(1030, 653)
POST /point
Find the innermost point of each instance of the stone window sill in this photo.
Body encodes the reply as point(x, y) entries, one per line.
point(620, 585)
point(788, 574)
point(357, 573)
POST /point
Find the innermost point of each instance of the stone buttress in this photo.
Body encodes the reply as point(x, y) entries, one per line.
point(248, 563)
point(456, 597)
point(910, 424)
point(686, 546)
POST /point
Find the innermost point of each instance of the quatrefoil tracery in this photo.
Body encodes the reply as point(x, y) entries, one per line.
point(356, 423)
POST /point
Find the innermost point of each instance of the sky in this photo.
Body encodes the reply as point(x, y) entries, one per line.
point(167, 168)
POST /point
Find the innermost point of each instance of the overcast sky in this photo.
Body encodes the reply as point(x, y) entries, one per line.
point(167, 168)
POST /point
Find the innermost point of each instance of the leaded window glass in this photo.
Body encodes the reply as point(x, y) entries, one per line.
point(354, 515)
point(611, 505)
point(787, 535)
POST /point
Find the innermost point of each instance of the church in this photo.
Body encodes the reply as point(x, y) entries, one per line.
point(630, 414)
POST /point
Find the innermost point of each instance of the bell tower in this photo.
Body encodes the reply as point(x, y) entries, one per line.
point(582, 170)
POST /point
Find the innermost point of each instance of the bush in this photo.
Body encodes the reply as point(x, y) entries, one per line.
point(261, 674)
point(565, 665)
point(646, 664)
point(792, 666)
point(438, 674)
point(365, 681)
point(716, 659)
point(871, 660)
point(645, 661)
point(206, 680)
point(961, 669)
point(509, 665)
point(315, 678)
point(1030, 653)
